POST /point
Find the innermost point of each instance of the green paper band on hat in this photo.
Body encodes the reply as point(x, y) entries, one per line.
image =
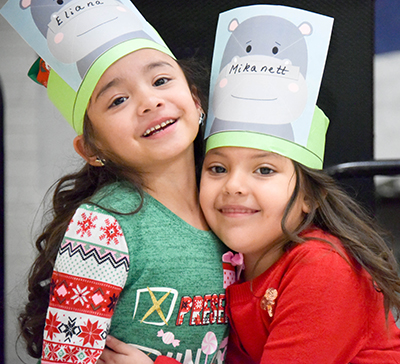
point(71, 104)
point(311, 156)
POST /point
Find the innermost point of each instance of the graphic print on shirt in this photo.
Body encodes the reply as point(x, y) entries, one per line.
point(147, 295)
point(209, 351)
point(158, 306)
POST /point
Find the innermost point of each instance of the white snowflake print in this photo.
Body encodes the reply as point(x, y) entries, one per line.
point(80, 295)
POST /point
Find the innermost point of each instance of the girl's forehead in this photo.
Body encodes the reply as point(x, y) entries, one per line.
point(245, 152)
point(142, 61)
point(144, 58)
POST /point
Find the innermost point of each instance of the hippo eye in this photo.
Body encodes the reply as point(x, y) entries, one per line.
point(60, 2)
point(275, 50)
point(249, 48)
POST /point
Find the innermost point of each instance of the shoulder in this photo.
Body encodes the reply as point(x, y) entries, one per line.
point(321, 257)
point(122, 197)
point(319, 245)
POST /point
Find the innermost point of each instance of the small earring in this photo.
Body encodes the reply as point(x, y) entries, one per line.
point(202, 117)
point(100, 161)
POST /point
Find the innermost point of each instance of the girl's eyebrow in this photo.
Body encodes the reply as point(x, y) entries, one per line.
point(110, 84)
point(153, 65)
point(264, 154)
point(259, 154)
point(117, 80)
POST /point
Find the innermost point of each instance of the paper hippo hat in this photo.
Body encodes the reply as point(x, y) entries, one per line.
point(266, 73)
point(79, 40)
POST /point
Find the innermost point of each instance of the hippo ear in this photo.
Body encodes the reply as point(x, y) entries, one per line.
point(25, 4)
point(233, 25)
point(305, 28)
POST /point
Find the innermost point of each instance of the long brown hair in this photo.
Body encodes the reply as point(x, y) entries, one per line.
point(334, 211)
point(69, 193)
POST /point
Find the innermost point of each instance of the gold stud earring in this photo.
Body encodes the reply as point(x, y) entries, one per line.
point(100, 161)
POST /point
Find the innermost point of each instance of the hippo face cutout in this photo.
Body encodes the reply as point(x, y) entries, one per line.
point(262, 81)
point(259, 89)
point(76, 28)
point(72, 37)
point(269, 36)
point(42, 10)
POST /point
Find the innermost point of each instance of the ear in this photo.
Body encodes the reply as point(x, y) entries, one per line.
point(195, 96)
point(306, 28)
point(306, 205)
point(197, 101)
point(25, 4)
point(81, 148)
point(233, 25)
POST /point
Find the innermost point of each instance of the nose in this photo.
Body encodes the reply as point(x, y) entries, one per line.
point(149, 100)
point(235, 184)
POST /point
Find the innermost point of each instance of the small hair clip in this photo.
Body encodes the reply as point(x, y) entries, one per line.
point(268, 301)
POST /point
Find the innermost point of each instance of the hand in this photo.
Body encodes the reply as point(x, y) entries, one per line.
point(117, 352)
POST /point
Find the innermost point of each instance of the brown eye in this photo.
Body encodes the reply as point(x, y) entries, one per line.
point(118, 101)
point(265, 170)
point(161, 81)
point(218, 169)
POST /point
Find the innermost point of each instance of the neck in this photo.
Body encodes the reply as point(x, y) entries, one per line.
point(256, 264)
point(174, 185)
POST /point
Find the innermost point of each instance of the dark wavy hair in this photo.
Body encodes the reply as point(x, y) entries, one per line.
point(69, 193)
point(335, 212)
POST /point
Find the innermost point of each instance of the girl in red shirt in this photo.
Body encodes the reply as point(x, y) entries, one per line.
point(319, 283)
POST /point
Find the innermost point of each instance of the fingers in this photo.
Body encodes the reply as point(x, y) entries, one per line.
point(117, 345)
point(117, 352)
point(107, 356)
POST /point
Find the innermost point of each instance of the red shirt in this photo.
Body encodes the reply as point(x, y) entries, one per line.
point(326, 311)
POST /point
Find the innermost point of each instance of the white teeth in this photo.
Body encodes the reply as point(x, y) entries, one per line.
point(158, 127)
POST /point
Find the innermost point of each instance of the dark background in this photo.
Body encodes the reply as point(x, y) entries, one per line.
point(346, 96)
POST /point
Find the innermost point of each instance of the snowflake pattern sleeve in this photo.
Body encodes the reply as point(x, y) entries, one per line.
point(89, 274)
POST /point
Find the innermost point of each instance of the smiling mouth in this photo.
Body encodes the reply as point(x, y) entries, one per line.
point(237, 211)
point(156, 129)
point(252, 99)
point(97, 26)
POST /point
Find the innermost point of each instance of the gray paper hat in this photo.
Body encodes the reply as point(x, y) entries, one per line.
point(266, 73)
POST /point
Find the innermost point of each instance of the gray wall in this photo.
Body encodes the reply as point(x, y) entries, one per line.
point(38, 150)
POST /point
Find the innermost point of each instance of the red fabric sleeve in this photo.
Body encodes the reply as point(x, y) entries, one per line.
point(165, 360)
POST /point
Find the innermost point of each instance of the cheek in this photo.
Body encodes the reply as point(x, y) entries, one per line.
point(207, 194)
point(58, 38)
point(202, 194)
point(223, 83)
point(293, 87)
